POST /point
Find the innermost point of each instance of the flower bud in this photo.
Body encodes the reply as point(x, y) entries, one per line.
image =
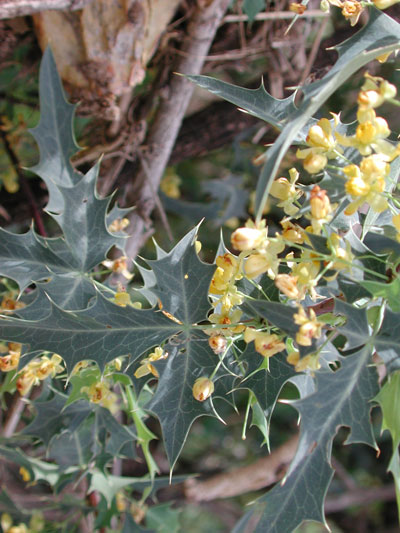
point(202, 389)
point(255, 265)
point(320, 204)
point(244, 239)
point(314, 163)
point(217, 343)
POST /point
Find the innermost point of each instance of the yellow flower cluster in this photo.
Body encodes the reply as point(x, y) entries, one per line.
point(38, 370)
point(323, 146)
point(100, 393)
point(36, 524)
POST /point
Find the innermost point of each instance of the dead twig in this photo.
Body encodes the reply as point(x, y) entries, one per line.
point(19, 8)
point(276, 15)
point(164, 130)
point(260, 474)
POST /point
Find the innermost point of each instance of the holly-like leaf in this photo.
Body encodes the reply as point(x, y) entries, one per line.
point(173, 402)
point(342, 398)
point(163, 518)
point(389, 291)
point(25, 258)
point(101, 333)
point(83, 222)
point(54, 134)
point(183, 281)
point(51, 417)
point(256, 102)
point(109, 485)
point(356, 328)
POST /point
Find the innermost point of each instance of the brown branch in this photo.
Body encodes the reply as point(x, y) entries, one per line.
point(260, 474)
point(361, 497)
point(164, 130)
point(19, 8)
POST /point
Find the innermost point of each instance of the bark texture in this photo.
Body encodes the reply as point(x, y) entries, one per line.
point(19, 8)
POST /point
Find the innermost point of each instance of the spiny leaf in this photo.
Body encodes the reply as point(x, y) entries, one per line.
point(342, 398)
point(54, 134)
point(101, 333)
point(24, 258)
point(257, 102)
point(109, 485)
point(173, 402)
point(51, 418)
point(183, 281)
point(356, 328)
point(83, 222)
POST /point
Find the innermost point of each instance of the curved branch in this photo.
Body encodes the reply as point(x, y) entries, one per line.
point(19, 8)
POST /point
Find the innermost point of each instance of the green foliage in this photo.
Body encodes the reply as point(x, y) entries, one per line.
point(258, 337)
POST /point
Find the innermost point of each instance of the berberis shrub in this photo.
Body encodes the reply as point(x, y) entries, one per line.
point(318, 299)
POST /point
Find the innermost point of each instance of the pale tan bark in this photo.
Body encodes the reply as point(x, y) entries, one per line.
point(264, 472)
point(18, 8)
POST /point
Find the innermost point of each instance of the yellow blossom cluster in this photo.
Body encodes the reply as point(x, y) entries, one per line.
point(36, 524)
point(322, 146)
point(38, 370)
point(100, 393)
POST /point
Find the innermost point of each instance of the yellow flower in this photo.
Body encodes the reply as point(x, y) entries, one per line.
point(320, 203)
point(101, 394)
point(310, 328)
point(309, 362)
point(202, 389)
point(266, 344)
point(119, 266)
point(122, 298)
point(288, 285)
point(293, 357)
point(225, 317)
point(297, 8)
point(323, 146)
point(48, 367)
point(292, 232)
point(244, 239)
point(118, 225)
point(170, 185)
point(306, 272)
point(342, 257)
point(146, 367)
point(11, 360)
point(287, 192)
point(26, 380)
point(367, 183)
point(25, 474)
